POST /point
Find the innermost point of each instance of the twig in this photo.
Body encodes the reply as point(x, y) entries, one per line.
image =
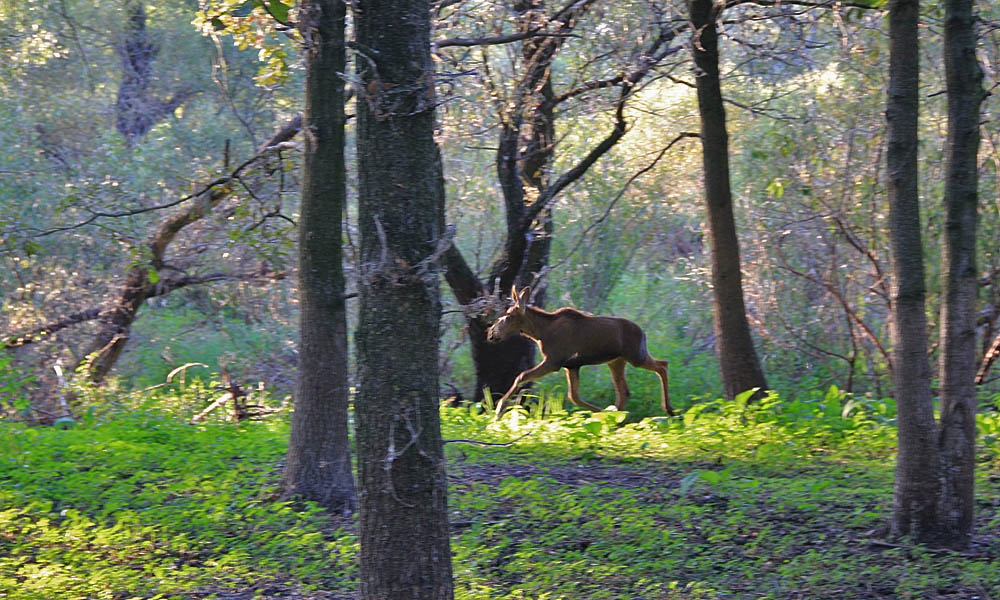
point(481, 443)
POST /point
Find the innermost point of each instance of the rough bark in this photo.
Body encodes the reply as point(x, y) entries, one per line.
point(917, 488)
point(738, 362)
point(137, 110)
point(403, 524)
point(958, 313)
point(318, 462)
point(115, 324)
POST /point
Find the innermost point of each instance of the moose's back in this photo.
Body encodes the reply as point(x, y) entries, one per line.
point(575, 339)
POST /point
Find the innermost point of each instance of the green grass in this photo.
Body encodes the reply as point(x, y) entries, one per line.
point(776, 502)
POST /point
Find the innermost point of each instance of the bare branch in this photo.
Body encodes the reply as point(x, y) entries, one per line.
point(816, 4)
point(614, 201)
point(494, 41)
point(40, 333)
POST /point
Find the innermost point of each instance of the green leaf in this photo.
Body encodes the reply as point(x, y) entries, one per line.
point(31, 248)
point(154, 275)
point(742, 398)
point(711, 477)
point(594, 427)
point(688, 482)
point(279, 10)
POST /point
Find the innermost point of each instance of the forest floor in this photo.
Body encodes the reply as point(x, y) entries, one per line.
point(715, 505)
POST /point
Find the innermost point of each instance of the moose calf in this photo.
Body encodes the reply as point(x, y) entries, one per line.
point(569, 339)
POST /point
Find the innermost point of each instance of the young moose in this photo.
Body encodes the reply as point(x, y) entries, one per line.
point(570, 339)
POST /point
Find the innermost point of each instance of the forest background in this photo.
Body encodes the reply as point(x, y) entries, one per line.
point(84, 183)
point(807, 134)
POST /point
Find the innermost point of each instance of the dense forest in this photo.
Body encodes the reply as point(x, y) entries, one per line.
point(272, 238)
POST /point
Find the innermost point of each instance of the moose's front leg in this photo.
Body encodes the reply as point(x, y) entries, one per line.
point(539, 370)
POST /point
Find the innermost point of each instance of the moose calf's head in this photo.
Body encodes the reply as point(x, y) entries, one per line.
point(512, 321)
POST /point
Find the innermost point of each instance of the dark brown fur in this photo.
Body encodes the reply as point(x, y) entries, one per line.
point(569, 339)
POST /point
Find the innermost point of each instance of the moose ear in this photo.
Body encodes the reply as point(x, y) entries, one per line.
point(524, 295)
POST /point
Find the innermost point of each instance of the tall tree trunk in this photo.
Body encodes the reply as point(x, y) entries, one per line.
point(318, 464)
point(738, 362)
point(403, 526)
point(524, 160)
point(958, 313)
point(917, 486)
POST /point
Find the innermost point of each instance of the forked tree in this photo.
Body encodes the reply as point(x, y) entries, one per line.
point(526, 152)
point(958, 313)
point(933, 494)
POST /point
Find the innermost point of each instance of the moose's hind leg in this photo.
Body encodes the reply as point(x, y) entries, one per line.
point(660, 368)
point(617, 368)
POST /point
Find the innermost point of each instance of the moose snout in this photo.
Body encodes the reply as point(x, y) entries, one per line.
point(493, 334)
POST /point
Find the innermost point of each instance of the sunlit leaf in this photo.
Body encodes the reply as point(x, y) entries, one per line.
point(279, 9)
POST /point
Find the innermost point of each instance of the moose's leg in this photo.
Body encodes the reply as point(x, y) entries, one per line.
point(573, 379)
point(617, 367)
point(660, 368)
point(539, 370)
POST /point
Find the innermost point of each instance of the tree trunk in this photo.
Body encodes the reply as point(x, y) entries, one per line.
point(958, 313)
point(318, 464)
point(136, 109)
point(403, 525)
point(917, 467)
point(738, 362)
point(115, 324)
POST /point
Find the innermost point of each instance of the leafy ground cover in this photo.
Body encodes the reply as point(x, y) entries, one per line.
point(780, 501)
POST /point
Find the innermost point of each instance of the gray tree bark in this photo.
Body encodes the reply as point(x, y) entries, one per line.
point(318, 462)
point(403, 525)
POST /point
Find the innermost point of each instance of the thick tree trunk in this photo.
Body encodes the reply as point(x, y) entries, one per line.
point(403, 525)
point(318, 464)
point(739, 365)
point(917, 486)
point(958, 313)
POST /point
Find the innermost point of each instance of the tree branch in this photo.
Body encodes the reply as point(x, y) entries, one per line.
point(161, 288)
point(806, 3)
point(494, 41)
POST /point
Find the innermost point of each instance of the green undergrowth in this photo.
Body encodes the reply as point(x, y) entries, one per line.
point(779, 500)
